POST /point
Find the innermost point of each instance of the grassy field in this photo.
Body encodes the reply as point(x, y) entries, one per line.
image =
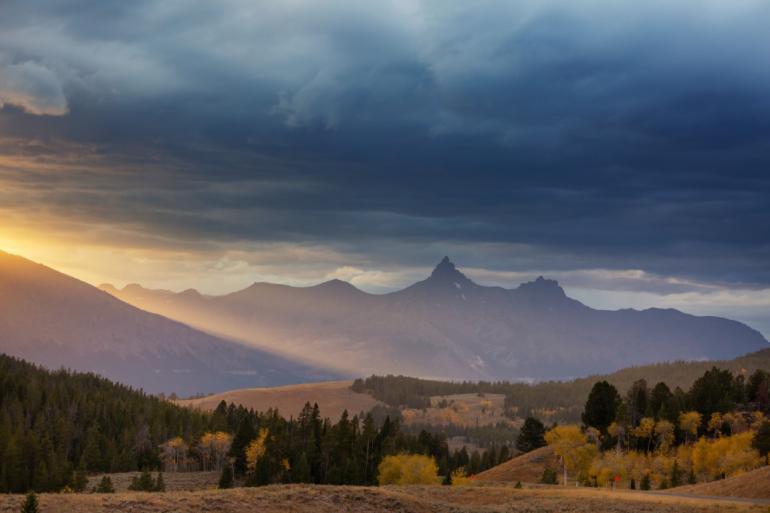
point(461, 410)
point(416, 499)
point(175, 481)
point(527, 468)
point(332, 397)
point(753, 485)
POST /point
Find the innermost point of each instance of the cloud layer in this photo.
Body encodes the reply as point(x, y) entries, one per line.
point(577, 137)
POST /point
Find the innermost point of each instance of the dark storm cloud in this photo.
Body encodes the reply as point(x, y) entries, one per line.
point(597, 134)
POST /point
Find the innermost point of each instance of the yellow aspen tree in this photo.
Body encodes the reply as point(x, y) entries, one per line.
point(572, 447)
point(256, 449)
point(645, 430)
point(664, 435)
point(715, 424)
point(689, 423)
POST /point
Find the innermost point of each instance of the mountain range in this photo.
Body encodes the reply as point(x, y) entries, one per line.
point(448, 326)
point(57, 321)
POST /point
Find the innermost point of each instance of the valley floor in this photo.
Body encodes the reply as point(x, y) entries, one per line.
point(406, 499)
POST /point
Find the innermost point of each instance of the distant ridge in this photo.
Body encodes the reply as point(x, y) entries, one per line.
point(447, 326)
point(49, 318)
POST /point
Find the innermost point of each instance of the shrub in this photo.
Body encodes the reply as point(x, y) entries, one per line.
point(105, 486)
point(30, 504)
point(145, 483)
point(226, 479)
point(405, 469)
point(549, 477)
point(645, 484)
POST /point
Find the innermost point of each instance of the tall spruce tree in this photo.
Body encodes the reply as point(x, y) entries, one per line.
point(531, 436)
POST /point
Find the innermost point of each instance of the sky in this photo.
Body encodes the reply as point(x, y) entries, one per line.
point(620, 147)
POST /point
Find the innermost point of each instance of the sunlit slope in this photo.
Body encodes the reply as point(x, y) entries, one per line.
point(52, 319)
point(447, 326)
point(332, 397)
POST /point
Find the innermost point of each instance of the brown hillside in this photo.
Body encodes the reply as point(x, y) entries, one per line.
point(527, 468)
point(333, 397)
point(751, 485)
point(408, 499)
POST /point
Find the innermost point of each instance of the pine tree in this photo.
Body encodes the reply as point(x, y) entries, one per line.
point(241, 440)
point(531, 436)
point(676, 475)
point(300, 473)
point(160, 484)
point(105, 486)
point(143, 482)
point(549, 477)
point(79, 481)
point(601, 406)
point(30, 504)
point(226, 479)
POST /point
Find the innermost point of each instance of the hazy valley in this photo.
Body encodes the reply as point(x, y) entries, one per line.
point(447, 326)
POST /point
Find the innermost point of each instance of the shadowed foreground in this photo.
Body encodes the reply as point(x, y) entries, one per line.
point(304, 498)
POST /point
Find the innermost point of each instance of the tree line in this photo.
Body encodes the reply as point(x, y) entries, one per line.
point(658, 437)
point(58, 426)
point(550, 401)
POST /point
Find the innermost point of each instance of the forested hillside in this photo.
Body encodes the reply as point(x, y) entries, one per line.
point(560, 401)
point(55, 427)
point(52, 423)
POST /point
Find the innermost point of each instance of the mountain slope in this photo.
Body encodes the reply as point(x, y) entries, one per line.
point(57, 321)
point(332, 397)
point(450, 327)
point(527, 468)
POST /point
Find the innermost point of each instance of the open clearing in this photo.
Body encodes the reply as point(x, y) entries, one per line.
point(174, 481)
point(751, 485)
point(460, 410)
point(333, 397)
point(409, 499)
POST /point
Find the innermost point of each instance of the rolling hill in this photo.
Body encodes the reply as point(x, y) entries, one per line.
point(447, 326)
point(751, 485)
point(55, 320)
point(527, 468)
point(332, 397)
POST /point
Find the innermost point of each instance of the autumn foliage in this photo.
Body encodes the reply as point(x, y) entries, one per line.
point(408, 469)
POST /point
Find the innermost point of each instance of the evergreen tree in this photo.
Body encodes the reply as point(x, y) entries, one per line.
point(659, 396)
point(30, 504)
point(79, 481)
point(105, 486)
point(761, 440)
point(636, 399)
point(226, 480)
point(143, 482)
point(160, 484)
point(531, 436)
point(300, 473)
point(549, 476)
point(714, 392)
point(602, 406)
point(676, 474)
point(242, 439)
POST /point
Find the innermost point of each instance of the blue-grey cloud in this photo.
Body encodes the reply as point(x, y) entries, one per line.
point(589, 135)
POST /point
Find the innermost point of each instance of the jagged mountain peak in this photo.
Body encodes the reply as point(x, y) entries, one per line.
point(446, 271)
point(542, 288)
